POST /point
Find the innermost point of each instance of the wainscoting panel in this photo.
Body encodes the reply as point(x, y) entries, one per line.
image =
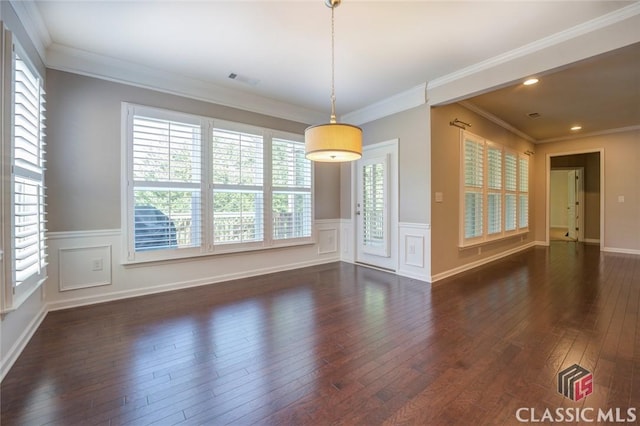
point(415, 253)
point(83, 267)
point(347, 253)
point(84, 271)
point(327, 241)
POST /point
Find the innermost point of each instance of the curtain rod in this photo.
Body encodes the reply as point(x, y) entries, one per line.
point(460, 124)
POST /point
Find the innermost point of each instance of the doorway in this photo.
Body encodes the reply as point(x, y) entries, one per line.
point(567, 204)
point(376, 209)
point(582, 171)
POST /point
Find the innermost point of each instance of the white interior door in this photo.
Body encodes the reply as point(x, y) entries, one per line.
point(572, 220)
point(376, 210)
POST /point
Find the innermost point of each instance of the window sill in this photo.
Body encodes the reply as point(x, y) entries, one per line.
point(191, 256)
point(23, 296)
point(487, 241)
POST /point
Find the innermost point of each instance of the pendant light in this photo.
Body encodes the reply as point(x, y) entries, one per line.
point(333, 141)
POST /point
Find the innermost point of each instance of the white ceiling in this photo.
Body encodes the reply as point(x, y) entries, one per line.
point(382, 47)
point(599, 94)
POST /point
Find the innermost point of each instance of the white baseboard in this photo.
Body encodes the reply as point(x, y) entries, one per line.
point(118, 295)
point(412, 275)
point(621, 250)
point(21, 343)
point(472, 265)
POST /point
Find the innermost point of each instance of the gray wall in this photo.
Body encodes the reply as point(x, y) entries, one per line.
point(411, 128)
point(84, 148)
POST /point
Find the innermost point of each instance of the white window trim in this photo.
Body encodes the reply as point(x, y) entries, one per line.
point(207, 247)
point(13, 296)
point(486, 238)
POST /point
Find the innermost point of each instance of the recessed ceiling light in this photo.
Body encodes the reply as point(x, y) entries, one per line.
point(530, 81)
point(575, 128)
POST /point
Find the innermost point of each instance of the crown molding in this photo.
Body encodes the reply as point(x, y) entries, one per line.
point(85, 63)
point(402, 101)
point(500, 122)
point(81, 62)
point(592, 134)
point(538, 45)
point(31, 19)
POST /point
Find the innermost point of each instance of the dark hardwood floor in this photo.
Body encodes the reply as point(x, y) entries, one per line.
point(341, 344)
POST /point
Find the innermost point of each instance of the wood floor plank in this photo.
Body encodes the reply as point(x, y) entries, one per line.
point(342, 344)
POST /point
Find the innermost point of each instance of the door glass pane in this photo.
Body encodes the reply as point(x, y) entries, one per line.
point(373, 208)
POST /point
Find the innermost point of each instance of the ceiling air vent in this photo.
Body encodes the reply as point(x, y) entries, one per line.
point(244, 79)
point(534, 115)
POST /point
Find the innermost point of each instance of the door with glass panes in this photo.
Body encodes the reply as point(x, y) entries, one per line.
point(376, 210)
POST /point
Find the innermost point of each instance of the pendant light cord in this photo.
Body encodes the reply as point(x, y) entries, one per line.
point(333, 67)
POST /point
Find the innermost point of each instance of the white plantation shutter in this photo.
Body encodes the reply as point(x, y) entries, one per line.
point(473, 173)
point(495, 191)
point(198, 186)
point(374, 206)
point(510, 186)
point(166, 161)
point(523, 186)
point(238, 188)
point(291, 190)
point(28, 190)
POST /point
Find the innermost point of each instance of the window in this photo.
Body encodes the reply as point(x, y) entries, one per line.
point(238, 189)
point(510, 187)
point(291, 185)
point(26, 181)
point(473, 187)
point(199, 186)
point(166, 182)
point(523, 208)
point(494, 189)
point(494, 193)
